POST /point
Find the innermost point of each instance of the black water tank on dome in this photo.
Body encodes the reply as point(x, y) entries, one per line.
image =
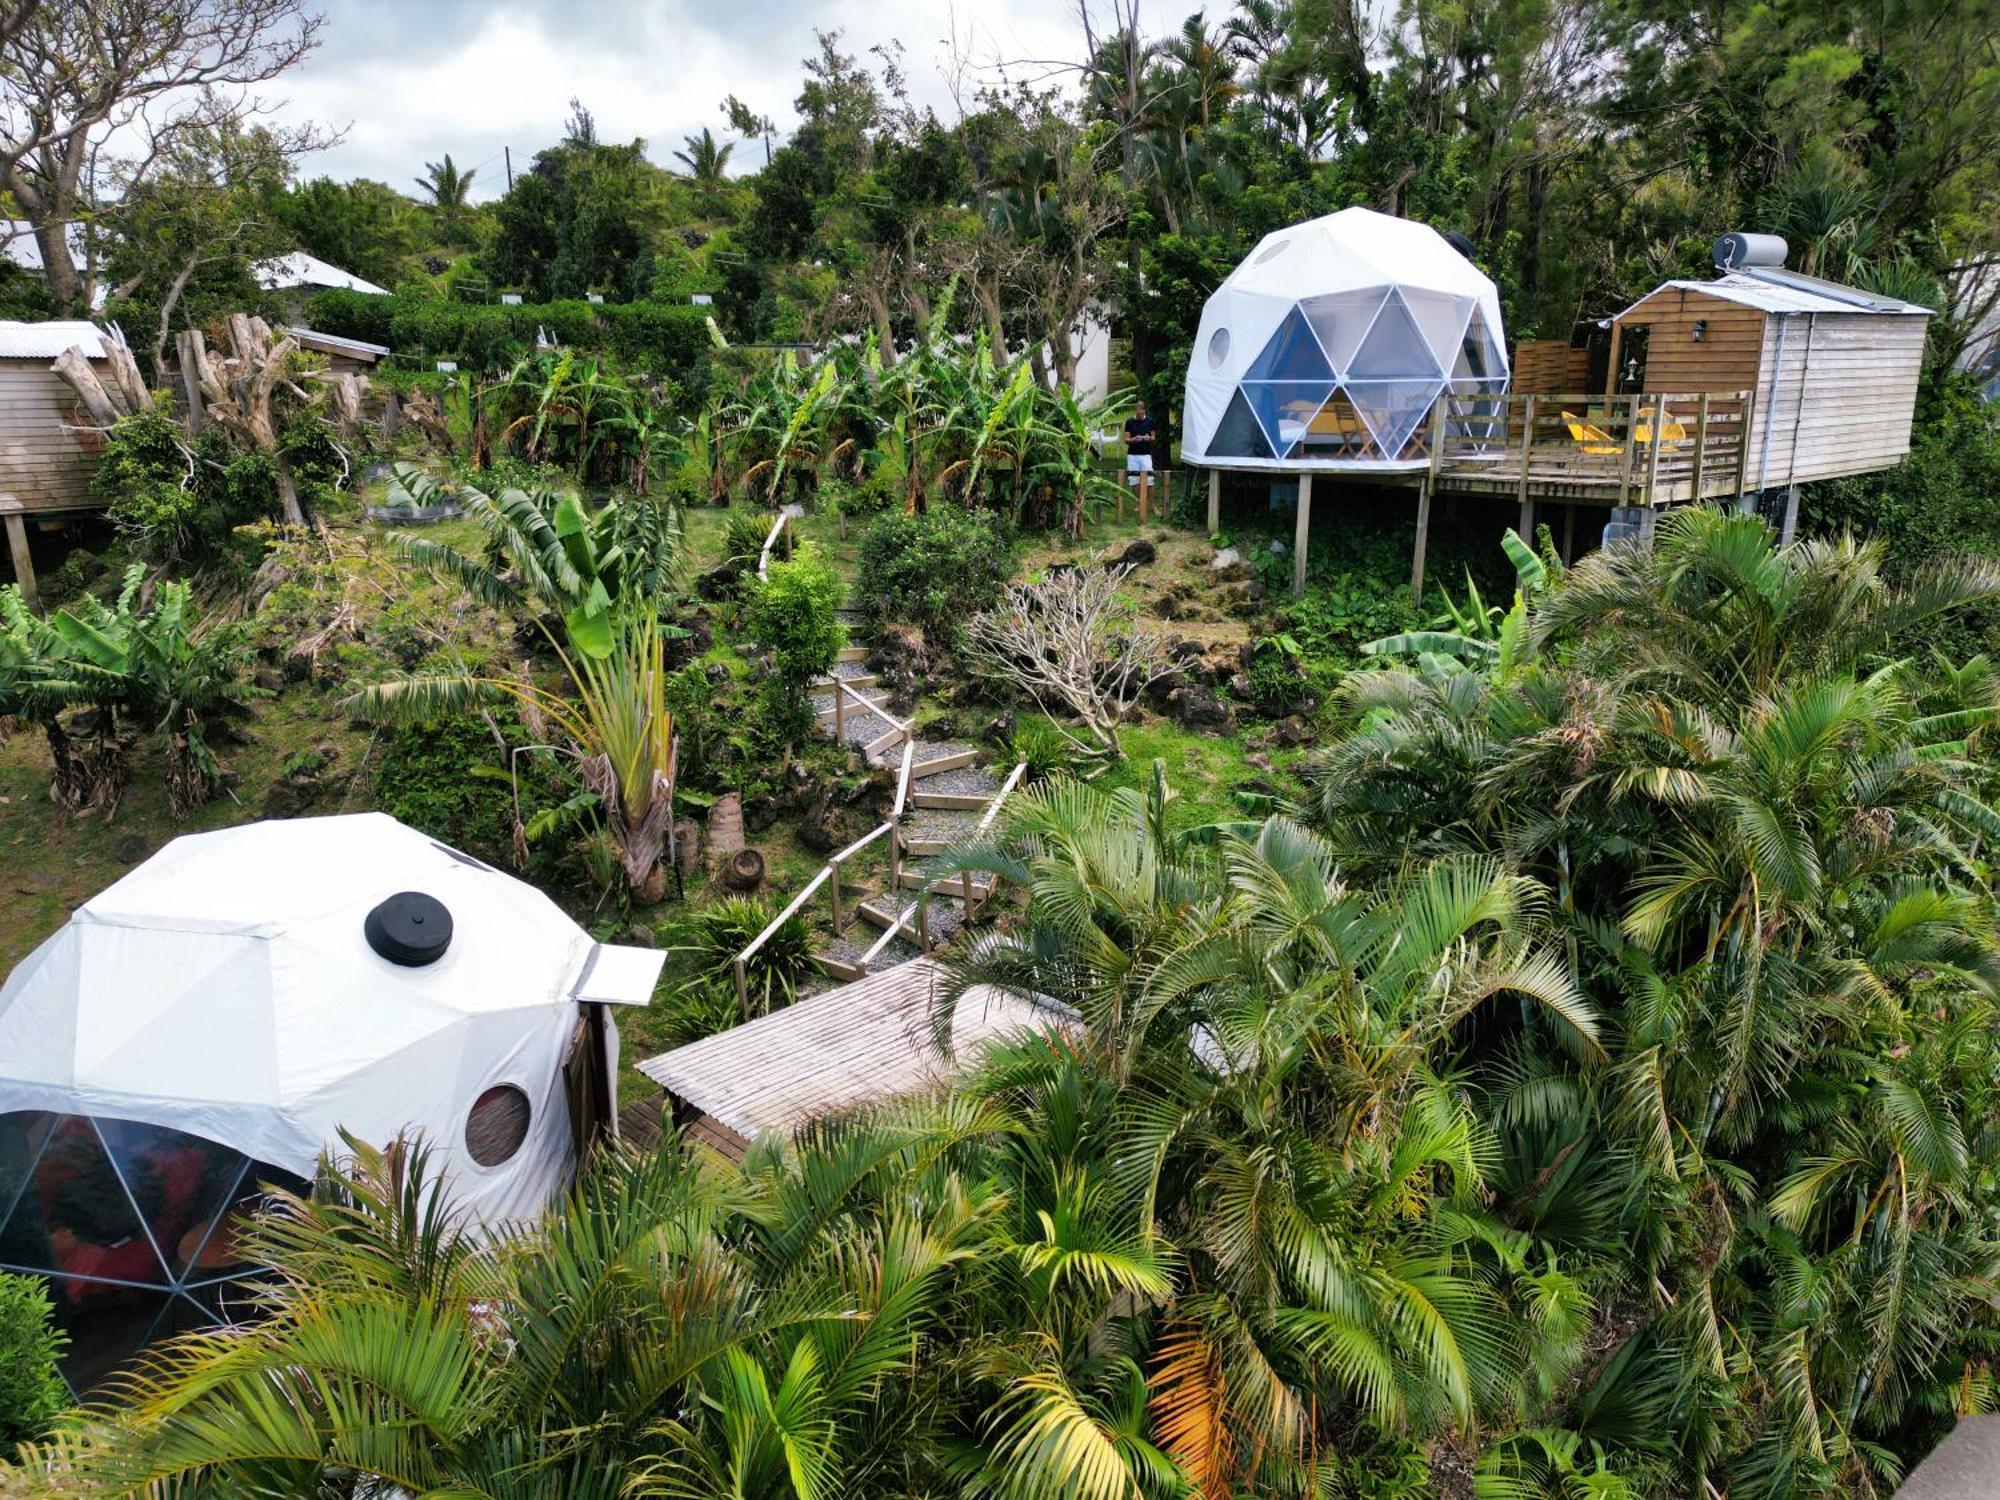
point(410, 929)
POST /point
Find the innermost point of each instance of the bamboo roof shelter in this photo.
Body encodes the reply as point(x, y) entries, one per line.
point(863, 1043)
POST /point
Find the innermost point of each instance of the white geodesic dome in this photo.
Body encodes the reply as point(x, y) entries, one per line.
point(1329, 344)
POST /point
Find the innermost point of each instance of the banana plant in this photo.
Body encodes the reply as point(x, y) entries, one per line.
point(1478, 635)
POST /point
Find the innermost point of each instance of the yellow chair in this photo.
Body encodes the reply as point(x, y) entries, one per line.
point(1671, 430)
point(1588, 437)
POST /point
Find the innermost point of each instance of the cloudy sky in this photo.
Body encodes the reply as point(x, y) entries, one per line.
point(411, 79)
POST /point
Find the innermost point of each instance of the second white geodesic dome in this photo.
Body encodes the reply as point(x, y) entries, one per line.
point(1329, 344)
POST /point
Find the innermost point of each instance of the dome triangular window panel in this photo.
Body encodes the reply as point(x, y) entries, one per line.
point(1336, 432)
point(1342, 320)
point(107, 1327)
point(181, 1183)
point(1293, 354)
point(1237, 435)
point(1479, 358)
point(22, 1135)
point(1286, 408)
point(1394, 348)
point(1441, 316)
point(74, 1216)
point(1393, 409)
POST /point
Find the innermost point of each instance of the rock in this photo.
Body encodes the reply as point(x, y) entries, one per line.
point(1291, 732)
point(129, 849)
point(760, 812)
point(1224, 560)
point(900, 660)
point(1187, 649)
point(269, 679)
point(827, 826)
point(1137, 555)
point(639, 935)
point(1000, 729)
point(1256, 590)
point(943, 727)
point(1195, 706)
point(1240, 688)
point(1163, 687)
point(743, 871)
point(1261, 762)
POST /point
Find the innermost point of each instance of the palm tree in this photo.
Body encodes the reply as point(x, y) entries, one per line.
point(449, 190)
point(706, 160)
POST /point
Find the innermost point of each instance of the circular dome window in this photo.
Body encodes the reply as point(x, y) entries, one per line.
point(1272, 251)
point(496, 1125)
point(1218, 348)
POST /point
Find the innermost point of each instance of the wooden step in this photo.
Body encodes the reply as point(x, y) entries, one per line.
point(868, 680)
point(940, 764)
point(951, 885)
point(924, 848)
point(894, 736)
point(951, 801)
point(854, 710)
point(852, 653)
point(838, 968)
point(879, 912)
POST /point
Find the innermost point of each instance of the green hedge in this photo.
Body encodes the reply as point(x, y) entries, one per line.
point(660, 338)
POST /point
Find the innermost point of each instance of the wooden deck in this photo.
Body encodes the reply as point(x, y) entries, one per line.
point(1582, 450)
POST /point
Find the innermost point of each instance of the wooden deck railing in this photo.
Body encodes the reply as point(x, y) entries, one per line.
point(1646, 449)
point(829, 876)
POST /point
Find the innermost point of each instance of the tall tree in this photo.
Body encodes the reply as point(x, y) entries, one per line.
point(79, 77)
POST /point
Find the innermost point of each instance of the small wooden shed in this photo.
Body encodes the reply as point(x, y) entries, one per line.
point(1833, 369)
point(48, 447)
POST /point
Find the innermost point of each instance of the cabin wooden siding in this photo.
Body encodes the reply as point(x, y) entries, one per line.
point(1725, 358)
point(48, 449)
point(1835, 392)
point(1846, 391)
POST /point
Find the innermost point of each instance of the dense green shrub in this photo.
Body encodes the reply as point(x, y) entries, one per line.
point(793, 613)
point(438, 778)
point(31, 1385)
point(656, 337)
point(150, 482)
point(701, 975)
point(934, 570)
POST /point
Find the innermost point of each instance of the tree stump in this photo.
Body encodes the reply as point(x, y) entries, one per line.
point(744, 870)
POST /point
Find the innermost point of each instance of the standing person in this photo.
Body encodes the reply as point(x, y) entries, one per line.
point(1139, 431)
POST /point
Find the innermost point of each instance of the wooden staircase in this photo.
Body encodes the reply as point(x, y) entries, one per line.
point(944, 795)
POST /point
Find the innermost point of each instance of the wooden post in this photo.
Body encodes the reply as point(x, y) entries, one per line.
point(1145, 496)
point(17, 546)
point(839, 713)
point(742, 990)
point(1527, 446)
point(1569, 533)
point(1653, 459)
point(1625, 452)
point(1440, 412)
point(1423, 538)
point(895, 866)
point(1299, 534)
point(1527, 526)
point(1214, 501)
point(1700, 445)
point(1791, 524)
point(1747, 401)
point(833, 888)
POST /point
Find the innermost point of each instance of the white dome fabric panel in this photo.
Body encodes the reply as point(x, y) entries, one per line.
point(1332, 340)
point(225, 988)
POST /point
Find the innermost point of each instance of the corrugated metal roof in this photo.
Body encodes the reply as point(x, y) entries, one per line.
point(863, 1042)
point(300, 269)
point(1797, 297)
point(312, 339)
point(47, 340)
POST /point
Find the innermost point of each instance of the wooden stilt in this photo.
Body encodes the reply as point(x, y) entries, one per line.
point(1791, 526)
point(1569, 534)
point(1299, 535)
point(1423, 539)
point(1527, 526)
point(1214, 501)
point(17, 546)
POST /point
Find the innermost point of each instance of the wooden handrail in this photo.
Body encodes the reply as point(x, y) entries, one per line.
point(1006, 790)
point(764, 557)
point(903, 781)
point(784, 916)
point(861, 843)
point(869, 704)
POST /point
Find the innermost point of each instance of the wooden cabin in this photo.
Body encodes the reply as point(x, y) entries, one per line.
point(48, 448)
point(1832, 370)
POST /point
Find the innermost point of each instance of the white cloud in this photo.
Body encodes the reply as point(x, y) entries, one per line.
point(414, 80)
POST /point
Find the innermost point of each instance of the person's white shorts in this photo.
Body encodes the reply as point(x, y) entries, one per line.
point(1138, 463)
